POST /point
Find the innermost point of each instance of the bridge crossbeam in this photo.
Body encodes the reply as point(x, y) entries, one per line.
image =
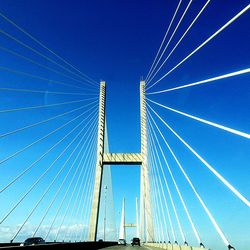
point(122, 159)
point(130, 225)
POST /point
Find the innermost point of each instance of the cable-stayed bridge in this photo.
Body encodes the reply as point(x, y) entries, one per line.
point(55, 158)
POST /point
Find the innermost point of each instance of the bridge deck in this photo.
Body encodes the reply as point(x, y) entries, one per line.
point(155, 246)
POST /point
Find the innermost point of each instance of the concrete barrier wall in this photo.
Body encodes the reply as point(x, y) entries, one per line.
point(78, 245)
point(173, 246)
point(10, 244)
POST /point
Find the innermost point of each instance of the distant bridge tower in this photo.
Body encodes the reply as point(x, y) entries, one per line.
point(123, 224)
point(146, 222)
point(122, 232)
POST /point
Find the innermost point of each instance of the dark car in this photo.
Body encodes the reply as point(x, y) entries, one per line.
point(33, 241)
point(135, 241)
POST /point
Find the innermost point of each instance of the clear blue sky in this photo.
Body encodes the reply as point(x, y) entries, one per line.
point(116, 41)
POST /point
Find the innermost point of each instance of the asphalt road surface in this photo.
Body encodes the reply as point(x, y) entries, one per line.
point(129, 247)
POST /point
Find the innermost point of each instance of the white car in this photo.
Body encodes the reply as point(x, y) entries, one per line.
point(122, 242)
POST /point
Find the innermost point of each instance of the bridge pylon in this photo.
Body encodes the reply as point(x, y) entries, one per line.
point(99, 164)
point(146, 221)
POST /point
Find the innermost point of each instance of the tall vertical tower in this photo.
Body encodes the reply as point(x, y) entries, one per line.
point(99, 164)
point(146, 222)
point(122, 232)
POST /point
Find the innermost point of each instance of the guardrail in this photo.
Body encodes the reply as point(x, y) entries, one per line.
point(169, 246)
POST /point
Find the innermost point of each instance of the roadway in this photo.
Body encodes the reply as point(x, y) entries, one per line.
point(129, 247)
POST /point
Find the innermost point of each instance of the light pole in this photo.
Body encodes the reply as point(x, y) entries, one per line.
point(104, 220)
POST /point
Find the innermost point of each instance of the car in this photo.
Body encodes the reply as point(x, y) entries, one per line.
point(135, 241)
point(33, 241)
point(122, 242)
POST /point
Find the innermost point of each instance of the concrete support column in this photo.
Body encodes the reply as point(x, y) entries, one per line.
point(137, 218)
point(99, 165)
point(145, 203)
point(122, 233)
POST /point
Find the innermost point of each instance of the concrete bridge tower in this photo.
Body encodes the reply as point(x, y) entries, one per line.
point(146, 222)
